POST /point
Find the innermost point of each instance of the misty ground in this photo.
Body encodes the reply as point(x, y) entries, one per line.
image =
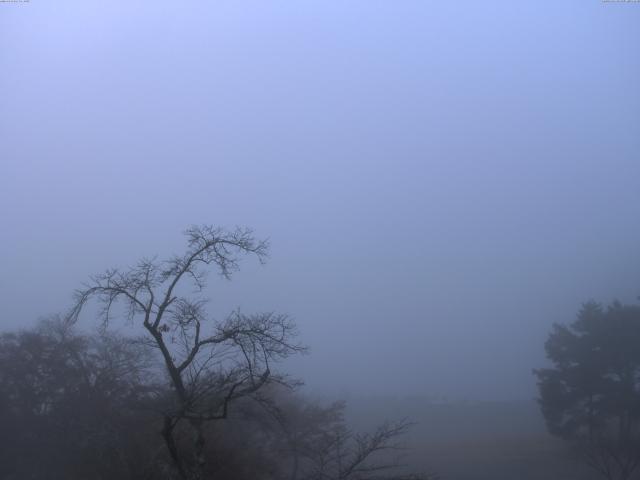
point(475, 441)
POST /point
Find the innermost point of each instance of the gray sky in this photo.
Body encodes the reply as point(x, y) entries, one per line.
point(440, 180)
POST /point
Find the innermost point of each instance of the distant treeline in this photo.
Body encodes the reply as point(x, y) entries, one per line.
point(76, 406)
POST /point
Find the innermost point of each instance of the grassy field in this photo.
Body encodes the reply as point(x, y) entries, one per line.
point(475, 441)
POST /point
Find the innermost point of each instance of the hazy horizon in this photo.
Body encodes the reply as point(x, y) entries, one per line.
point(439, 181)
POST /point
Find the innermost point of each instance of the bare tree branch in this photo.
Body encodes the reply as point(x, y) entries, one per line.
point(209, 368)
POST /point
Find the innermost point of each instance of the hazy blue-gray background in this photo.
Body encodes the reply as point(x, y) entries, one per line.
point(440, 180)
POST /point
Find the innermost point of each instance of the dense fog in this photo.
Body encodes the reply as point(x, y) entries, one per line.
point(439, 183)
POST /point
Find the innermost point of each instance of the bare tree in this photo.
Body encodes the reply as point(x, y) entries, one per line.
point(321, 446)
point(209, 363)
point(341, 454)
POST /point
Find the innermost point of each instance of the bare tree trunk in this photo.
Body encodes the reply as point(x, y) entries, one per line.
point(167, 434)
point(296, 460)
point(199, 454)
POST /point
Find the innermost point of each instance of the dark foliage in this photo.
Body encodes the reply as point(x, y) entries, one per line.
point(591, 396)
point(74, 406)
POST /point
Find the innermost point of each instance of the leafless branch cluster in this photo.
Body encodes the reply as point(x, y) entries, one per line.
point(342, 454)
point(614, 460)
point(210, 364)
point(322, 447)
